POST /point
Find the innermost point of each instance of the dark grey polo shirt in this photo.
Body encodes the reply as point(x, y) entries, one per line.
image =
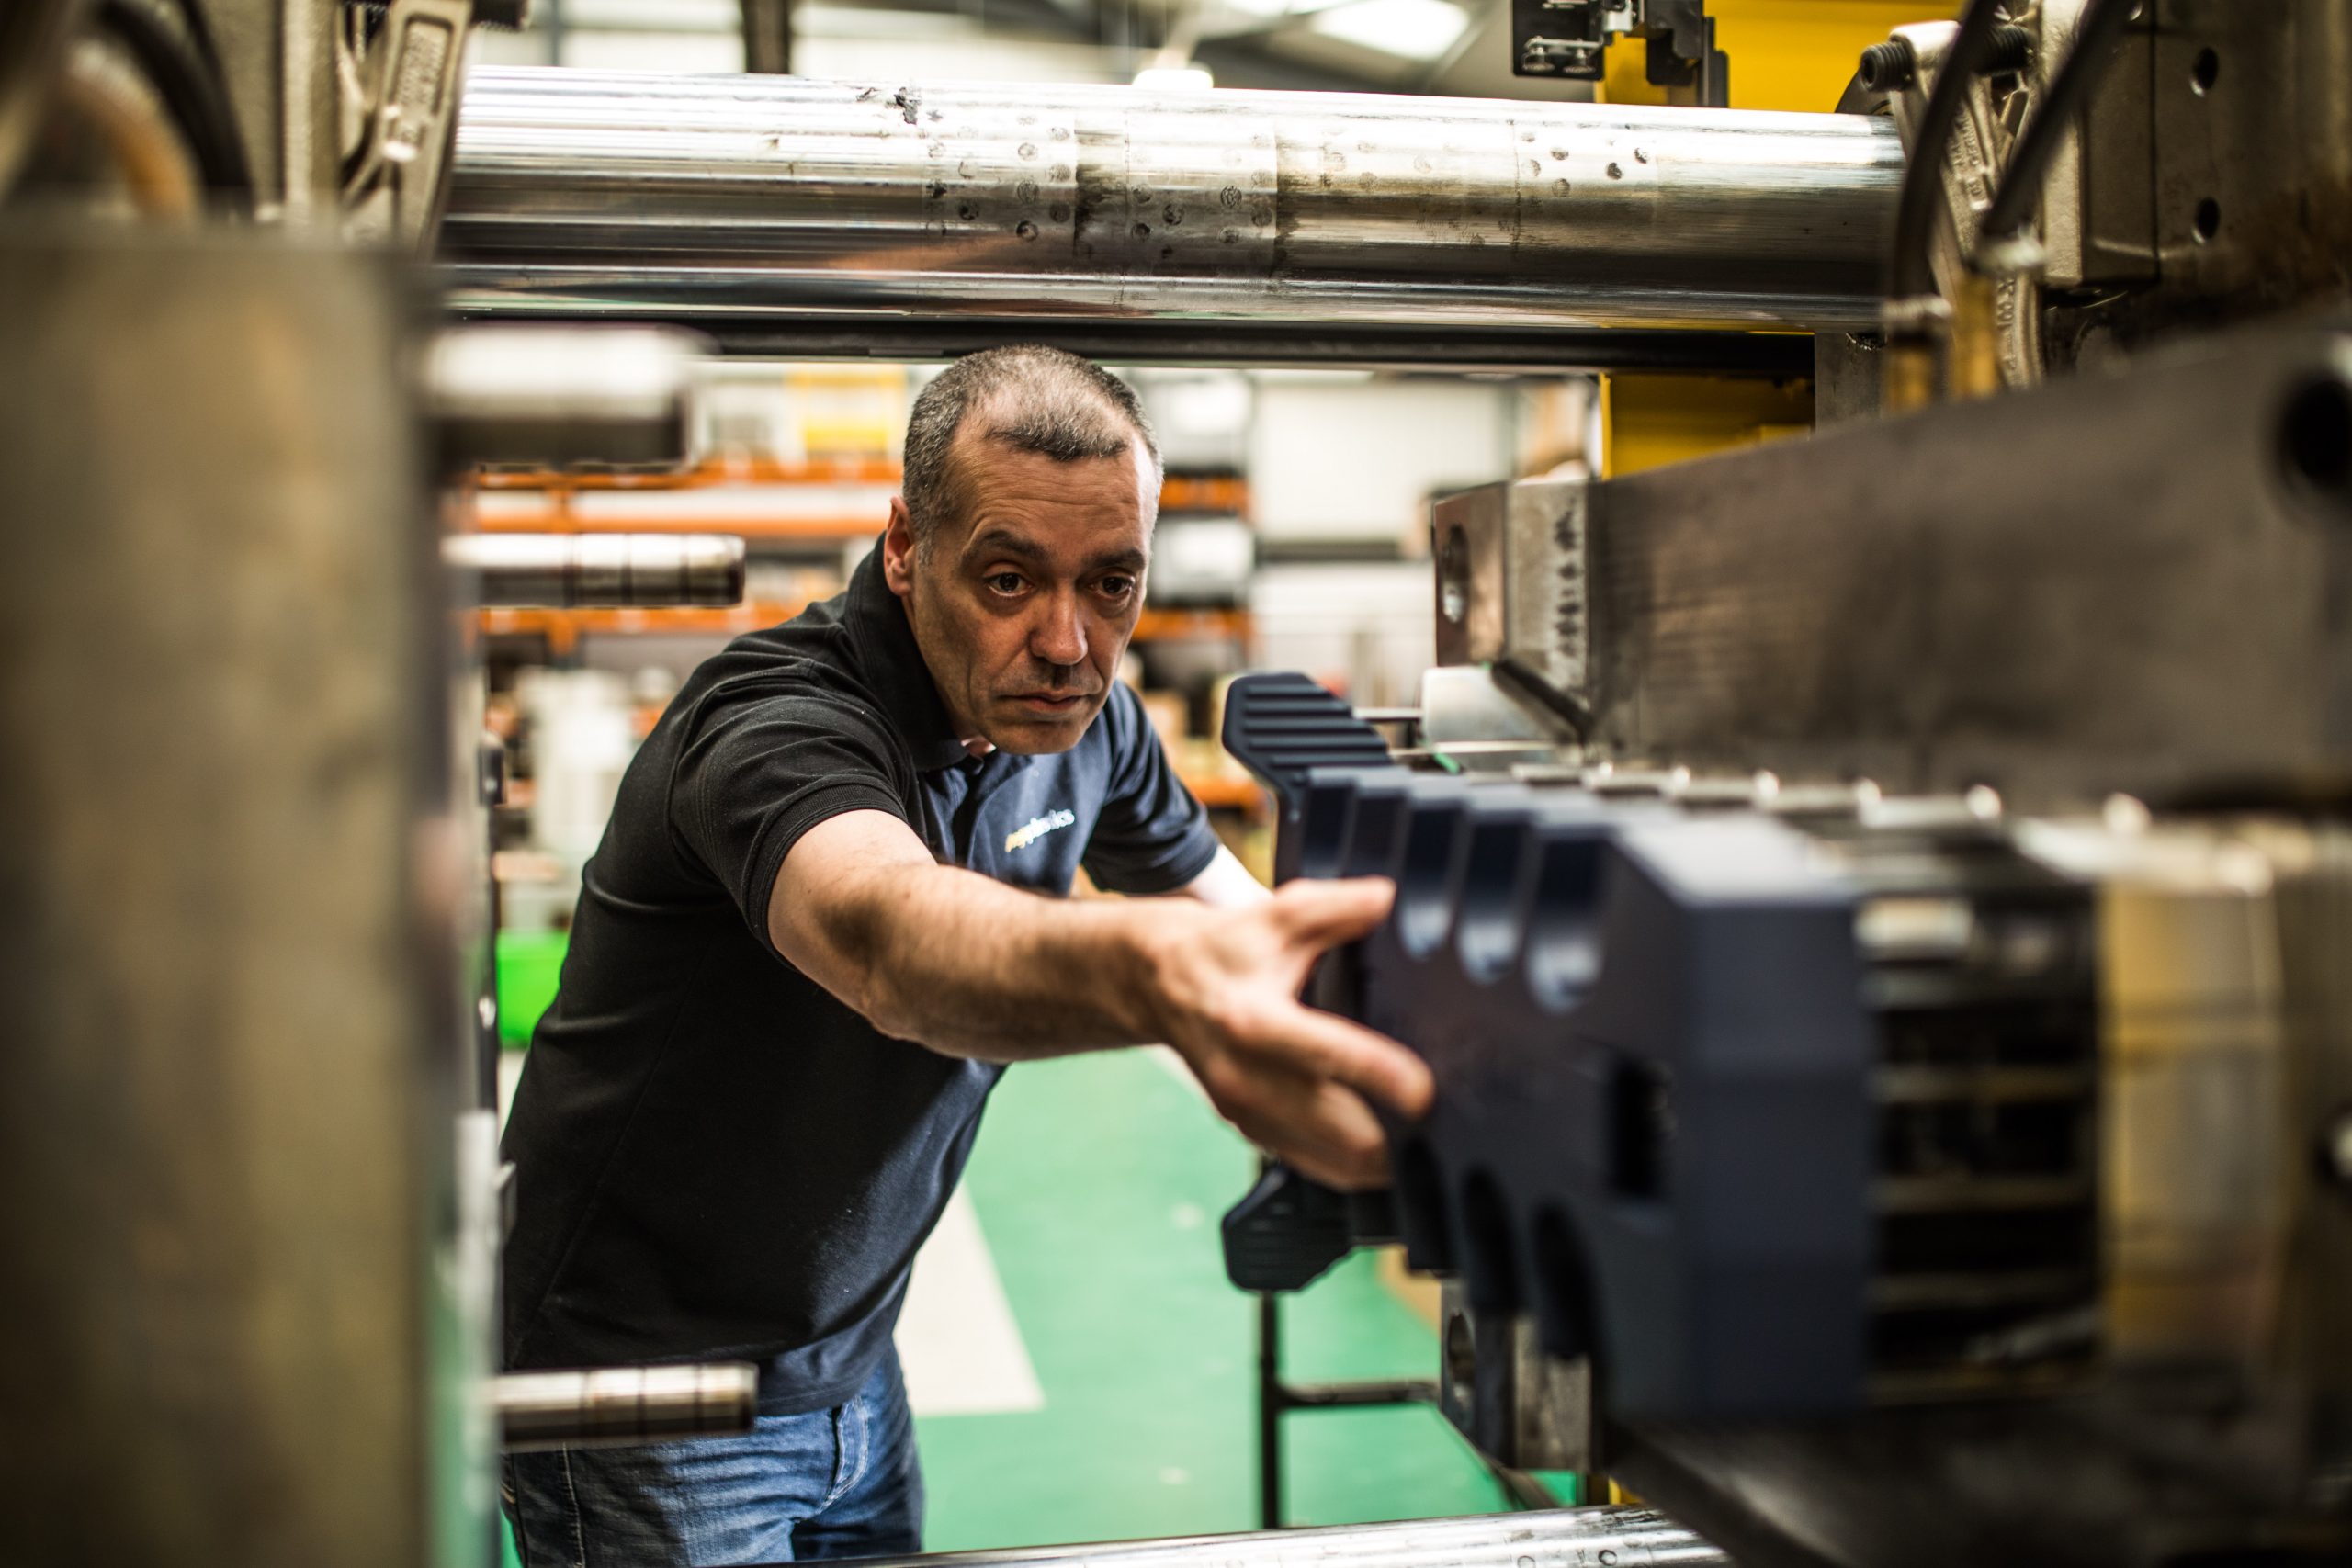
point(715, 1158)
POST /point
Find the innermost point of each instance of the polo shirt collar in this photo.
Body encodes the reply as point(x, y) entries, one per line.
point(894, 668)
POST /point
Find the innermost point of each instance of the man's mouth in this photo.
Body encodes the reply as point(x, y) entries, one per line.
point(1052, 702)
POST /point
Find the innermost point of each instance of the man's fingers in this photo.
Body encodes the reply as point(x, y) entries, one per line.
point(1323, 1130)
point(1325, 914)
point(1363, 1147)
point(1346, 1170)
point(1330, 1047)
point(1368, 1174)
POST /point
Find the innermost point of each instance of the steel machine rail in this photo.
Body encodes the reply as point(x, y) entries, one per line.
point(766, 204)
point(1554, 1537)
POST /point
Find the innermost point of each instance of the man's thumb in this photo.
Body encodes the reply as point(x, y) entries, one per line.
point(1325, 914)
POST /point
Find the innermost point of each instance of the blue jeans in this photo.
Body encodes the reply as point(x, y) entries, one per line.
point(838, 1483)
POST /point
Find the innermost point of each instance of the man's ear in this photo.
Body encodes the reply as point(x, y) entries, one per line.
point(899, 550)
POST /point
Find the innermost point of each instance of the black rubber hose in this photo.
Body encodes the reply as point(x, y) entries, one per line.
point(1912, 273)
point(184, 73)
point(2095, 38)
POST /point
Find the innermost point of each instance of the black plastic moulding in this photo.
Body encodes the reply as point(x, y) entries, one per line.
point(1298, 739)
point(1282, 727)
point(1652, 1124)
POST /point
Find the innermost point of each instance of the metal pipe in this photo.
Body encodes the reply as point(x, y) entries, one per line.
point(575, 571)
point(1137, 340)
point(555, 396)
point(613, 1406)
point(1553, 1538)
point(716, 199)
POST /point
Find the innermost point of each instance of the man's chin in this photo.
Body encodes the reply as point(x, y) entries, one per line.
point(1028, 731)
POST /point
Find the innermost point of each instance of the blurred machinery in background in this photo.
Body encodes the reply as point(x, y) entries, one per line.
point(1876, 903)
point(252, 1204)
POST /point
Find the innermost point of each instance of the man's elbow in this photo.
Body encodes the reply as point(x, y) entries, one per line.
point(901, 1016)
point(891, 1012)
point(912, 1013)
point(878, 989)
point(844, 949)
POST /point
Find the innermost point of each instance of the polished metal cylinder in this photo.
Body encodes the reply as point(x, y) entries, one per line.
point(619, 1405)
point(1555, 1537)
point(579, 571)
point(560, 395)
point(718, 198)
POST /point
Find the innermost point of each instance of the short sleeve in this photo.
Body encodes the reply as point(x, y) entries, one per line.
point(1151, 836)
point(755, 776)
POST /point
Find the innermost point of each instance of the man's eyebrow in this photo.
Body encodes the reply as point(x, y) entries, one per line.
point(1002, 541)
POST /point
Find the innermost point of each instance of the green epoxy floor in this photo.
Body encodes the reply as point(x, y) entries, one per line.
point(1098, 1182)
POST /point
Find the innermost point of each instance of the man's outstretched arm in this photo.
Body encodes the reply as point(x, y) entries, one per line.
point(970, 967)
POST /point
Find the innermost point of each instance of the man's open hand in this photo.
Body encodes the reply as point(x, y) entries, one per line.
point(1295, 1079)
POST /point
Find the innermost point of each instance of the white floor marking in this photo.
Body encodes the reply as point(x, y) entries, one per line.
point(961, 1349)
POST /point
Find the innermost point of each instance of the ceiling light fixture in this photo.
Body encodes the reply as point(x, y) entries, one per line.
point(1413, 30)
point(1176, 78)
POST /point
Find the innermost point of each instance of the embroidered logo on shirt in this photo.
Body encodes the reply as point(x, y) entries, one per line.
point(1037, 828)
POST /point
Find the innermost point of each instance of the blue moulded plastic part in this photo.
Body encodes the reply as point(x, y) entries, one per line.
point(1326, 832)
point(1653, 1126)
point(1652, 1123)
point(1284, 728)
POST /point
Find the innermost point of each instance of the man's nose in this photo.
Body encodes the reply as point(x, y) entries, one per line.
point(1060, 635)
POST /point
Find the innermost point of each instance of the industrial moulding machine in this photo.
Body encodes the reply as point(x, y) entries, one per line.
point(1878, 902)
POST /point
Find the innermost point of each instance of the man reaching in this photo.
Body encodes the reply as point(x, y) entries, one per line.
point(827, 910)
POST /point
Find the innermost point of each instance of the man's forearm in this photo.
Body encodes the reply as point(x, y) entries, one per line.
point(971, 968)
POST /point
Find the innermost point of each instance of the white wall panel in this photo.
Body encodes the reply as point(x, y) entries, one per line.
point(1369, 627)
point(1335, 459)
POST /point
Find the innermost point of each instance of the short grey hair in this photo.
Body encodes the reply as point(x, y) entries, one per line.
point(1030, 398)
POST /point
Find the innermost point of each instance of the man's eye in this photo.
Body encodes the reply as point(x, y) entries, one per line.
point(1117, 587)
point(1004, 581)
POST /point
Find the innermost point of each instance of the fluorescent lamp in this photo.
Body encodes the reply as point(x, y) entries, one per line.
point(1175, 78)
point(1415, 30)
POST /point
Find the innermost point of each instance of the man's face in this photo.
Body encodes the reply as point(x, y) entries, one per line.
point(1022, 606)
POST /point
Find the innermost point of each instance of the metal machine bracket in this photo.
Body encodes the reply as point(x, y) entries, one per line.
point(1570, 39)
point(391, 177)
point(1521, 1407)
